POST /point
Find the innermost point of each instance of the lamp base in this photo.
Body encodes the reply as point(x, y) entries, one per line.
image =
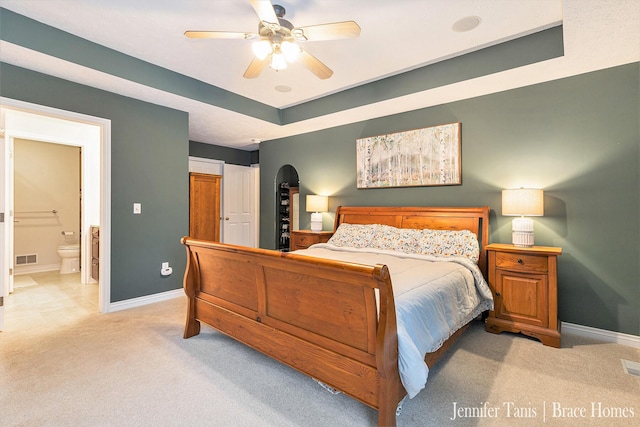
point(522, 232)
point(316, 221)
point(522, 239)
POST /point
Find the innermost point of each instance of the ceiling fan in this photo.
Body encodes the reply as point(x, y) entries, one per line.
point(277, 40)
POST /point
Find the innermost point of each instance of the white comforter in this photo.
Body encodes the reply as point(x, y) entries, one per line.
point(434, 297)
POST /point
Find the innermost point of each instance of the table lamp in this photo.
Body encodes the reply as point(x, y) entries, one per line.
point(317, 204)
point(522, 202)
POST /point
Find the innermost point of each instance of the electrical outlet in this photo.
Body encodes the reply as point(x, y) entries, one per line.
point(166, 270)
point(137, 208)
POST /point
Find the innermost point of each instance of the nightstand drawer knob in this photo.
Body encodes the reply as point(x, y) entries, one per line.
point(520, 261)
point(497, 294)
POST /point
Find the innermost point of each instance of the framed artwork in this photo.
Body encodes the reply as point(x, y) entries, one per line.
point(420, 157)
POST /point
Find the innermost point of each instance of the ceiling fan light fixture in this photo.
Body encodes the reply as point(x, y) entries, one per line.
point(275, 41)
point(291, 51)
point(278, 62)
point(262, 49)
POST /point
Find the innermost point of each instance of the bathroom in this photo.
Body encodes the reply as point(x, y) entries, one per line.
point(47, 207)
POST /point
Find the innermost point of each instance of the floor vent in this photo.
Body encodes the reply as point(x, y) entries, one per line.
point(631, 368)
point(27, 259)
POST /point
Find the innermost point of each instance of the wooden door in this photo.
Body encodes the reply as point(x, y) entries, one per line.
point(204, 206)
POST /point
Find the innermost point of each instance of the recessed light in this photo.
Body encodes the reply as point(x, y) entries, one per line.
point(467, 23)
point(283, 88)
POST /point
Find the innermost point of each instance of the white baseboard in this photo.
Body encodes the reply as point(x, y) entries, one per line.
point(601, 334)
point(38, 268)
point(140, 301)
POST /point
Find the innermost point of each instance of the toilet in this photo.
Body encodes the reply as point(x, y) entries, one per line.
point(70, 257)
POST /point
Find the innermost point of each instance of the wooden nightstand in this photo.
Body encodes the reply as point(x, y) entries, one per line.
point(302, 239)
point(524, 283)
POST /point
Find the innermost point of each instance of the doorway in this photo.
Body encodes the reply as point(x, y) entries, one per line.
point(93, 136)
point(47, 206)
point(287, 205)
point(239, 201)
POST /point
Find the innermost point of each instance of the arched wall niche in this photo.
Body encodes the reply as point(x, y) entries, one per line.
point(287, 205)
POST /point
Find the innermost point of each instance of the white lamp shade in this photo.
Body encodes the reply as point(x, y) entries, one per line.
point(262, 49)
point(317, 203)
point(291, 51)
point(523, 202)
point(278, 62)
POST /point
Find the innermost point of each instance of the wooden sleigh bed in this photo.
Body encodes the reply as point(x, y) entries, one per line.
point(319, 316)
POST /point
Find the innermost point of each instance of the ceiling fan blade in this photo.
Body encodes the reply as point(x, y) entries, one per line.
point(256, 67)
point(266, 14)
point(218, 35)
point(315, 65)
point(334, 31)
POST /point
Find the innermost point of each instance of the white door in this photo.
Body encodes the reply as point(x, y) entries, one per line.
point(239, 206)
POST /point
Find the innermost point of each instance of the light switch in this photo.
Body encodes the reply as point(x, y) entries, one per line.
point(137, 208)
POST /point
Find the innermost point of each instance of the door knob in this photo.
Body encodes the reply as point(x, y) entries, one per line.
point(226, 218)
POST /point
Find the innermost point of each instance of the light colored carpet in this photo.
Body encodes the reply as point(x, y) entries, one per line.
point(133, 368)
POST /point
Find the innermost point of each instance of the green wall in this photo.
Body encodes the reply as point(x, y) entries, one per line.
point(149, 164)
point(577, 138)
point(226, 154)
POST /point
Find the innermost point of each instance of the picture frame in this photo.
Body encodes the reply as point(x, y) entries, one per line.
point(430, 156)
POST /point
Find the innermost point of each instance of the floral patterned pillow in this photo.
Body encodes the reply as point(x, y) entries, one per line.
point(385, 237)
point(449, 243)
point(407, 241)
point(353, 235)
point(443, 243)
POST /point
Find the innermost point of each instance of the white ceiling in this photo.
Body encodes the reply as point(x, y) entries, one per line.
point(396, 36)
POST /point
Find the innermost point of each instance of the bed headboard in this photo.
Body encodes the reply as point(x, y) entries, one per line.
point(474, 219)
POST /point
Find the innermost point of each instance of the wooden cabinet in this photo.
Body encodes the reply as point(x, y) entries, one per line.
point(525, 291)
point(95, 252)
point(204, 206)
point(302, 239)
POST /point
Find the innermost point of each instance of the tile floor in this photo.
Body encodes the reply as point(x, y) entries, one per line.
point(48, 298)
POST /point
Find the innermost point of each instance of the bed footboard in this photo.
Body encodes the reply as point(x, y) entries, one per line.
point(294, 308)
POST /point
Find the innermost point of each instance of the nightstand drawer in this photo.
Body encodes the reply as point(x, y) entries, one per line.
point(304, 240)
point(521, 262)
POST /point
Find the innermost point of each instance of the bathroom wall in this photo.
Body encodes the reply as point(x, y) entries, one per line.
point(47, 177)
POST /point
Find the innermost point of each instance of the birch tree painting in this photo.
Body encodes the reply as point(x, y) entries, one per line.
point(420, 157)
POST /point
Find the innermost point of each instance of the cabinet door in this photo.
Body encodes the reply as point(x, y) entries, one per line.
point(522, 298)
